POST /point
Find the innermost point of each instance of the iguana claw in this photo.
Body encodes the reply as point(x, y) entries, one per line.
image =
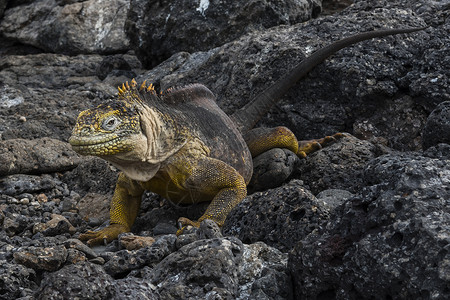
point(103, 236)
point(184, 222)
point(307, 147)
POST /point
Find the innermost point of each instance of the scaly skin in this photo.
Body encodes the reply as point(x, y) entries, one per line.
point(182, 146)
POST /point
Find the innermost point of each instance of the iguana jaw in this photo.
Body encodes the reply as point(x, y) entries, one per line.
point(101, 144)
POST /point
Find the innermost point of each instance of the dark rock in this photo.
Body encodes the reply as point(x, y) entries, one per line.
point(92, 175)
point(164, 228)
point(116, 64)
point(386, 242)
point(70, 28)
point(15, 224)
point(154, 26)
point(440, 151)
point(134, 288)
point(37, 258)
point(338, 166)
point(209, 230)
point(400, 125)
point(19, 183)
point(278, 217)
point(78, 245)
point(271, 169)
point(15, 279)
point(263, 273)
point(124, 261)
point(82, 280)
point(74, 256)
point(57, 225)
point(437, 127)
point(38, 156)
point(3, 4)
point(200, 269)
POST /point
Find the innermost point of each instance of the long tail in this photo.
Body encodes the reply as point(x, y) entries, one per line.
point(247, 116)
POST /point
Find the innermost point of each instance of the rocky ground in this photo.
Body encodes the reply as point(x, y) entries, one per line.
point(367, 217)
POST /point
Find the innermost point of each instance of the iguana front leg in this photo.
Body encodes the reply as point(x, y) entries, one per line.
point(260, 140)
point(125, 205)
point(212, 177)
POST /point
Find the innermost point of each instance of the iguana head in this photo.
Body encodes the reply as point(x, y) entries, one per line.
point(132, 131)
point(111, 128)
point(107, 129)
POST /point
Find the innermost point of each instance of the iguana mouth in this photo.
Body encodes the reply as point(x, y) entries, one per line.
point(108, 144)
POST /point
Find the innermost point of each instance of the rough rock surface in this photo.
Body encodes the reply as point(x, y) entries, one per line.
point(278, 217)
point(388, 241)
point(154, 26)
point(361, 219)
point(70, 27)
point(437, 127)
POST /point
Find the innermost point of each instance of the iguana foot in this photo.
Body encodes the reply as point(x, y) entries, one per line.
point(310, 146)
point(103, 236)
point(184, 222)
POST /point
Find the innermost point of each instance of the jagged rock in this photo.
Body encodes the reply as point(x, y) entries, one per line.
point(83, 280)
point(440, 151)
point(200, 269)
point(78, 245)
point(437, 127)
point(20, 183)
point(134, 288)
point(338, 166)
point(154, 26)
point(263, 273)
point(387, 241)
point(57, 225)
point(278, 217)
point(69, 28)
point(16, 280)
point(124, 261)
point(92, 176)
point(37, 258)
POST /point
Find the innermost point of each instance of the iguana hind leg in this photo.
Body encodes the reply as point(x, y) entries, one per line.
point(260, 140)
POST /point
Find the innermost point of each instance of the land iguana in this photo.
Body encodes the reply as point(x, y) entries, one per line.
point(182, 146)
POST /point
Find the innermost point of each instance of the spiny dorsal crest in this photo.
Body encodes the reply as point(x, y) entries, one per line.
point(129, 91)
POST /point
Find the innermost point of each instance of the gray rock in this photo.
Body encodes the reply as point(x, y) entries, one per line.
point(200, 269)
point(38, 156)
point(78, 245)
point(334, 197)
point(20, 183)
point(15, 280)
point(271, 169)
point(278, 217)
point(69, 28)
point(391, 236)
point(437, 127)
point(124, 261)
point(134, 288)
point(338, 166)
point(158, 29)
point(263, 273)
point(399, 126)
point(82, 280)
point(440, 151)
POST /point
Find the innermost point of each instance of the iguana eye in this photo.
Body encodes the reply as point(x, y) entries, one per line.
point(110, 123)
